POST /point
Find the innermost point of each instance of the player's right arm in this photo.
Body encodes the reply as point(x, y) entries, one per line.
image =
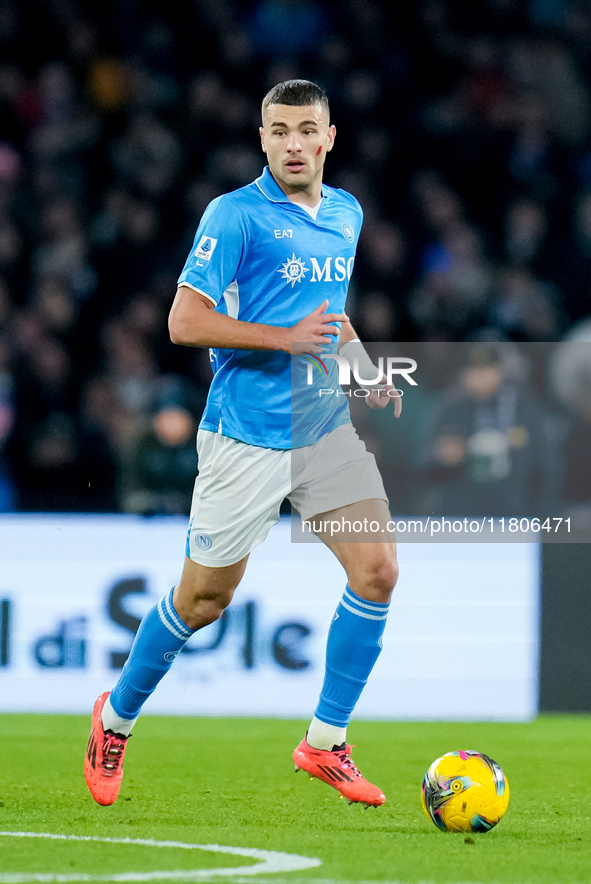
point(193, 322)
point(220, 248)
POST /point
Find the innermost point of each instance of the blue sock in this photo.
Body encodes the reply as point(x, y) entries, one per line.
point(353, 646)
point(159, 639)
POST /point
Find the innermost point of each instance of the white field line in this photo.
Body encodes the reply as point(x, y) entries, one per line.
point(269, 861)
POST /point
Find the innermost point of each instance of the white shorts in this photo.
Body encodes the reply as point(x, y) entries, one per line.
point(240, 488)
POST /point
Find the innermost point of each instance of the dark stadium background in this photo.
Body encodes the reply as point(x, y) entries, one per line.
point(463, 128)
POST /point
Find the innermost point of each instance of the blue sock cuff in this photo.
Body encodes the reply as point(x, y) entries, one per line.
point(160, 638)
point(171, 619)
point(362, 607)
point(353, 646)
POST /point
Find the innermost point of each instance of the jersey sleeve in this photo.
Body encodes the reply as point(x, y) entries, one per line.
point(217, 250)
point(356, 206)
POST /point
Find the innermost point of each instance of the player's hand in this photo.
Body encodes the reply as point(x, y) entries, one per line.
point(379, 398)
point(313, 332)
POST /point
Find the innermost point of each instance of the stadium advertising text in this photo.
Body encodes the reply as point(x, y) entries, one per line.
point(65, 646)
point(68, 614)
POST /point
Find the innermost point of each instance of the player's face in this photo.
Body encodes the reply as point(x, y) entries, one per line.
point(296, 141)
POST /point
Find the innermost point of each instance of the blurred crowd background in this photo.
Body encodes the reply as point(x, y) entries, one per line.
point(463, 128)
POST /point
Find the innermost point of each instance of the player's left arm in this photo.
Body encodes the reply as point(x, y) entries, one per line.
point(351, 348)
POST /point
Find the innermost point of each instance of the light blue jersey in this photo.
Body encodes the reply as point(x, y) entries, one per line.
point(262, 258)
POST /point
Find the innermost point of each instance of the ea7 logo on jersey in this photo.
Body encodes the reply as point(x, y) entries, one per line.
point(205, 248)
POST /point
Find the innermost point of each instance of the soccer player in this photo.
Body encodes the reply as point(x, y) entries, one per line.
point(267, 275)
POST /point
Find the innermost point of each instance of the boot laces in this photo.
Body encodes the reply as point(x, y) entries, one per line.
point(113, 749)
point(344, 756)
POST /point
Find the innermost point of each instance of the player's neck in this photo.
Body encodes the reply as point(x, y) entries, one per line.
point(306, 196)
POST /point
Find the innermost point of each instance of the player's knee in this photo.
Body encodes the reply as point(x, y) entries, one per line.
point(206, 611)
point(380, 578)
point(197, 610)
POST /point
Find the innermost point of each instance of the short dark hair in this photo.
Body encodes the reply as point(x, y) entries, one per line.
point(296, 93)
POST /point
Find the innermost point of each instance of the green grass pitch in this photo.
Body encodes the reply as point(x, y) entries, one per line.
point(231, 782)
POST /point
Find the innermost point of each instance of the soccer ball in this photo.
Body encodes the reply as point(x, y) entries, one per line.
point(465, 792)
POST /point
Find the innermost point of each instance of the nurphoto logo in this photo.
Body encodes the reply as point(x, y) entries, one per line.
point(401, 366)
